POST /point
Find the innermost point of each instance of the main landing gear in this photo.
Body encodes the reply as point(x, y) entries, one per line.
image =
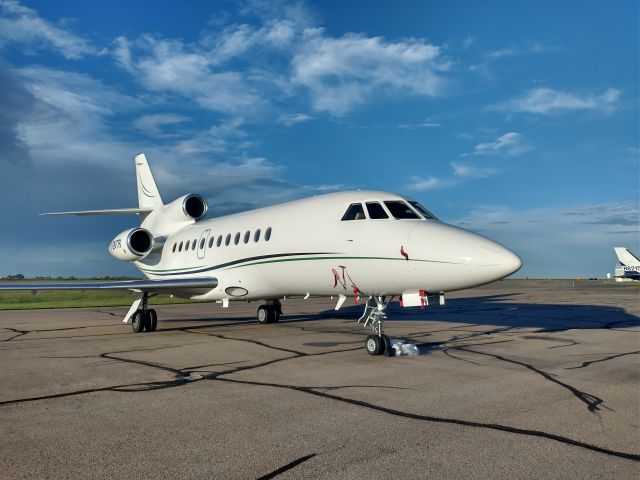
point(270, 312)
point(144, 318)
point(373, 317)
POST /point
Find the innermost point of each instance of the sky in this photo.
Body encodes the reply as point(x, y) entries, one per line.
point(517, 120)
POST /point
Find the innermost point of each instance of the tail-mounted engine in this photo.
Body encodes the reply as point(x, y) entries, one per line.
point(189, 208)
point(194, 206)
point(183, 211)
point(131, 245)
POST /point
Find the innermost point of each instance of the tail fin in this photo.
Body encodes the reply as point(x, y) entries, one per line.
point(626, 258)
point(148, 194)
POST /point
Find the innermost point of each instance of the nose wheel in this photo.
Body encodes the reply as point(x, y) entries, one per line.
point(377, 344)
point(373, 317)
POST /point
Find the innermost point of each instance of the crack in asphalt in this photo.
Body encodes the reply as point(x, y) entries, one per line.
point(593, 403)
point(286, 467)
point(586, 364)
point(455, 421)
point(184, 376)
point(18, 333)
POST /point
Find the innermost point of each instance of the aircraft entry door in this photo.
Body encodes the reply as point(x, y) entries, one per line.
point(202, 243)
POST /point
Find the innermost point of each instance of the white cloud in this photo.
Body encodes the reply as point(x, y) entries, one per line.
point(174, 67)
point(473, 171)
point(294, 119)
point(72, 110)
point(239, 69)
point(219, 138)
point(520, 50)
point(468, 41)
point(412, 126)
point(420, 184)
point(547, 101)
point(510, 144)
point(153, 124)
point(23, 25)
point(343, 73)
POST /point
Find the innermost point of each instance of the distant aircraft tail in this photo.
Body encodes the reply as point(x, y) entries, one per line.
point(148, 195)
point(626, 258)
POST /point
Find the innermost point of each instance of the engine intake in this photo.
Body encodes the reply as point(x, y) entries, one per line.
point(195, 206)
point(131, 245)
point(139, 241)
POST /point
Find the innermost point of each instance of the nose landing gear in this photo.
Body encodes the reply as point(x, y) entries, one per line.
point(374, 317)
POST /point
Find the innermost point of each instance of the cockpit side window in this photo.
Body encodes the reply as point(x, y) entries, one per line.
point(376, 211)
point(423, 211)
point(400, 210)
point(354, 212)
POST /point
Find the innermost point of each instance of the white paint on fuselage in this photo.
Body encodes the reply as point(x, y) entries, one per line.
point(309, 242)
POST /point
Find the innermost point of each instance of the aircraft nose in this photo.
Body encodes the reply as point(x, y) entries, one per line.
point(465, 258)
point(507, 262)
point(494, 259)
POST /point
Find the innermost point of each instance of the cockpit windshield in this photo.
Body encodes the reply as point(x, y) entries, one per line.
point(400, 210)
point(423, 211)
point(354, 212)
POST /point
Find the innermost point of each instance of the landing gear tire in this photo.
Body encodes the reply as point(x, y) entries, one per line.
point(374, 344)
point(138, 321)
point(152, 320)
point(263, 314)
point(267, 314)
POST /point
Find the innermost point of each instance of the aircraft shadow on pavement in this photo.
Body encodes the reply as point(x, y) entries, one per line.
point(495, 311)
point(499, 311)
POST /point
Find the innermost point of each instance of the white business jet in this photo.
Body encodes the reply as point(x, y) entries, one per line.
point(629, 265)
point(368, 245)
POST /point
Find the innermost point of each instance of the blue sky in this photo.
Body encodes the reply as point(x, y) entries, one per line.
point(518, 120)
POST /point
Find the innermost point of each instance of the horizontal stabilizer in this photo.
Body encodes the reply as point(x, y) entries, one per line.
point(136, 285)
point(117, 211)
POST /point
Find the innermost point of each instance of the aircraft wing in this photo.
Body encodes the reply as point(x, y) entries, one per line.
point(117, 211)
point(136, 285)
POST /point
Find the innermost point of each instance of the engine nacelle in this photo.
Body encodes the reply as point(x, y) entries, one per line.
point(194, 206)
point(190, 207)
point(169, 218)
point(131, 245)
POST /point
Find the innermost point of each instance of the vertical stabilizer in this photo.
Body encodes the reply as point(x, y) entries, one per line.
point(626, 258)
point(148, 194)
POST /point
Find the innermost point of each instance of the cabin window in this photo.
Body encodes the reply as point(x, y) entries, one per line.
point(174, 248)
point(186, 245)
point(180, 247)
point(354, 212)
point(247, 236)
point(236, 239)
point(211, 241)
point(201, 243)
point(227, 240)
point(256, 236)
point(193, 244)
point(401, 210)
point(376, 211)
point(425, 213)
point(267, 234)
point(219, 242)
